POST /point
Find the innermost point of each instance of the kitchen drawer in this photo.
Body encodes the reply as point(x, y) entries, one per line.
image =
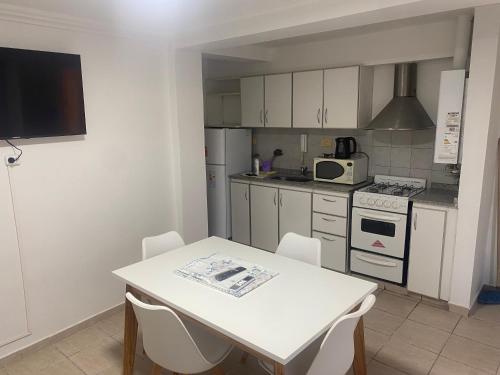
point(333, 251)
point(377, 266)
point(331, 205)
point(329, 224)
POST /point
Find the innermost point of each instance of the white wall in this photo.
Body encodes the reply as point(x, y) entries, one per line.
point(191, 146)
point(479, 167)
point(83, 203)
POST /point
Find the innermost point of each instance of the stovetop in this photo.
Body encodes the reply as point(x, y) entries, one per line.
point(396, 186)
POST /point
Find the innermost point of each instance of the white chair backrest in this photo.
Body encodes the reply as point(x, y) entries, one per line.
point(166, 340)
point(302, 248)
point(156, 245)
point(337, 349)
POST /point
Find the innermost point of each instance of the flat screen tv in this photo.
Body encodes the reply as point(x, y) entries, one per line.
point(41, 94)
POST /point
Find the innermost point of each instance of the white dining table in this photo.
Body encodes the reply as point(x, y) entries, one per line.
point(274, 322)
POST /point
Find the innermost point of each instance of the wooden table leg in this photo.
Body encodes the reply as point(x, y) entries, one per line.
point(359, 362)
point(130, 338)
point(279, 369)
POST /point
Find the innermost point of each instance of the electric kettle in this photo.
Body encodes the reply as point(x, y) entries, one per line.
point(345, 147)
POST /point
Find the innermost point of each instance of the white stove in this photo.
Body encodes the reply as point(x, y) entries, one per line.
point(389, 193)
point(380, 223)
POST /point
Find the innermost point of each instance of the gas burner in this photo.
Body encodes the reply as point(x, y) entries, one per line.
point(396, 186)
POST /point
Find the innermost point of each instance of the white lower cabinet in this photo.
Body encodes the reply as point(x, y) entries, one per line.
point(294, 212)
point(264, 217)
point(426, 251)
point(240, 212)
point(333, 251)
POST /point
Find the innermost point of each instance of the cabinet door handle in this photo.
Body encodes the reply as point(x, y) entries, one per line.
point(326, 116)
point(260, 116)
point(246, 195)
point(415, 221)
point(266, 121)
point(275, 199)
point(329, 200)
point(317, 115)
point(281, 200)
point(328, 239)
point(329, 220)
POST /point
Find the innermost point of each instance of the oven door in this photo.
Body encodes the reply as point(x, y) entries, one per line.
point(379, 232)
point(328, 171)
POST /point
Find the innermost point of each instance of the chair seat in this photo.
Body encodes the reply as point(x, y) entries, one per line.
point(215, 350)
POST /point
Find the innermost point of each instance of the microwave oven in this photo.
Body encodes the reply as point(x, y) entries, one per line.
point(350, 171)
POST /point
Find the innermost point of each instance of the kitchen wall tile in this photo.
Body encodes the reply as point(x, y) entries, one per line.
point(401, 138)
point(365, 137)
point(444, 178)
point(422, 173)
point(423, 138)
point(400, 157)
point(382, 156)
point(382, 138)
point(399, 172)
point(379, 169)
point(421, 158)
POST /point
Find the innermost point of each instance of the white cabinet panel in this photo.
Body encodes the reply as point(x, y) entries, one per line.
point(426, 250)
point(13, 321)
point(329, 204)
point(294, 212)
point(264, 217)
point(278, 100)
point(308, 99)
point(333, 251)
point(330, 224)
point(252, 101)
point(341, 97)
point(240, 212)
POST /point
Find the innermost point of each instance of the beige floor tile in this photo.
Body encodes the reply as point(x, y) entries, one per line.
point(65, 367)
point(142, 366)
point(437, 318)
point(445, 366)
point(113, 325)
point(405, 357)
point(396, 305)
point(86, 338)
point(96, 359)
point(377, 368)
point(425, 337)
point(488, 312)
point(472, 354)
point(374, 341)
point(35, 362)
point(382, 321)
point(3, 371)
point(479, 330)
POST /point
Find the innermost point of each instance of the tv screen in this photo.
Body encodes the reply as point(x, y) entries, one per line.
point(41, 94)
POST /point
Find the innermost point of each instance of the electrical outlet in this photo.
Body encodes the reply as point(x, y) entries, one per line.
point(10, 160)
point(326, 142)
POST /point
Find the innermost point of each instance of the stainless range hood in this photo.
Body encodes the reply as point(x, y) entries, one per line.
point(404, 111)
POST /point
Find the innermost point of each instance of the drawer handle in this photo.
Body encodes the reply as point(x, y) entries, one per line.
point(329, 200)
point(379, 217)
point(377, 262)
point(329, 220)
point(328, 239)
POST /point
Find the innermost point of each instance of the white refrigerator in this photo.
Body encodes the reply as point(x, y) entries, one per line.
point(227, 152)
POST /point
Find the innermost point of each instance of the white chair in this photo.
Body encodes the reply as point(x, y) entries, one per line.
point(302, 248)
point(173, 346)
point(336, 352)
point(156, 245)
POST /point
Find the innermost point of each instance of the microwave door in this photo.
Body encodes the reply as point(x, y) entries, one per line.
point(328, 170)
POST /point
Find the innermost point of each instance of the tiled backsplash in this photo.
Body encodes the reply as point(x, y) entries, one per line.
point(398, 153)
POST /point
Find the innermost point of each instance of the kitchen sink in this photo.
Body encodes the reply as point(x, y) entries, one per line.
point(292, 178)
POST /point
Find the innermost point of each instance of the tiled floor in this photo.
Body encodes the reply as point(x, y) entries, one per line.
point(403, 336)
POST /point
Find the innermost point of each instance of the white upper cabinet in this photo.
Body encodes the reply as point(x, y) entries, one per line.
point(308, 99)
point(278, 100)
point(348, 97)
point(252, 101)
point(426, 251)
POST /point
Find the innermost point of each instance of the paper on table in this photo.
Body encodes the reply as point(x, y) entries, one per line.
point(204, 270)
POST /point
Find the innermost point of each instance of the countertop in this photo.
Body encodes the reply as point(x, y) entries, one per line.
point(312, 186)
point(439, 195)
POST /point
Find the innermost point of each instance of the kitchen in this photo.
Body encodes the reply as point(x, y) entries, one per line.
point(399, 230)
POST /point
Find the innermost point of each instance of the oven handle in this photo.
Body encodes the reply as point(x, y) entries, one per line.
point(377, 262)
point(378, 217)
